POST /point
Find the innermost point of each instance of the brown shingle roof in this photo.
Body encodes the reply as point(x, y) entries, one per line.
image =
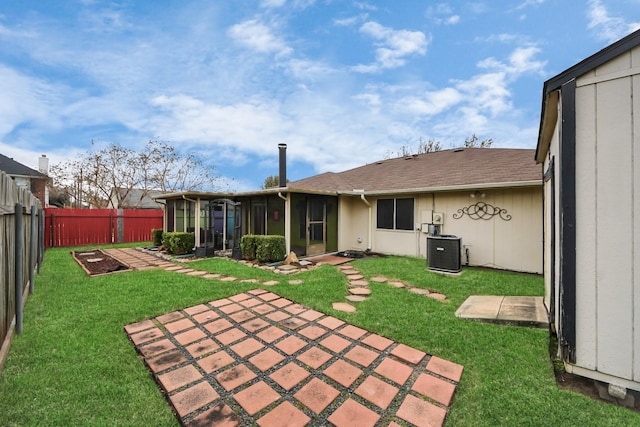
point(456, 168)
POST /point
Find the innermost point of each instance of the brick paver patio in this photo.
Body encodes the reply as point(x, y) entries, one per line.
point(258, 358)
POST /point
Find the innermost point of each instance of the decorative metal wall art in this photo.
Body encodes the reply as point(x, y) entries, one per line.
point(482, 210)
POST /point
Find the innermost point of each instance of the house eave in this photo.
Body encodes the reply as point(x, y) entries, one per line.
point(447, 188)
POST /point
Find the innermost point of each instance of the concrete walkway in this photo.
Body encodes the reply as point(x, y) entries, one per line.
point(521, 311)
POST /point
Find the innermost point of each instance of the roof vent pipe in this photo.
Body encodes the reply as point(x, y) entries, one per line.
point(283, 165)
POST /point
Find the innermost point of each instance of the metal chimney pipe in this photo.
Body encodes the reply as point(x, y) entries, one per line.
point(283, 165)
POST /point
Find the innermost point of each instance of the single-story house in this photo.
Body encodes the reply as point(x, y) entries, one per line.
point(36, 181)
point(589, 145)
point(133, 198)
point(489, 197)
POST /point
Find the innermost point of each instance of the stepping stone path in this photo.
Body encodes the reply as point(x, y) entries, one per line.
point(359, 289)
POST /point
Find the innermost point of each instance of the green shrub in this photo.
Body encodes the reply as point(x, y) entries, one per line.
point(179, 243)
point(271, 248)
point(248, 244)
point(156, 233)
point(263, 248)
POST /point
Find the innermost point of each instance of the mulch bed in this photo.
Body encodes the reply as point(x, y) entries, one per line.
point(95, 262)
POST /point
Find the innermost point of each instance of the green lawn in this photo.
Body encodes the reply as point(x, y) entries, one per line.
point(73, 364)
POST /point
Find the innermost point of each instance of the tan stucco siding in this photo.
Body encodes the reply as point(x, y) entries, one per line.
point(352, 224)
point(608, 230)
point(512, 245)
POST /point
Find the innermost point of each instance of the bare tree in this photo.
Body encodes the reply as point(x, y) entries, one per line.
point(106, 177)
point(474, 142)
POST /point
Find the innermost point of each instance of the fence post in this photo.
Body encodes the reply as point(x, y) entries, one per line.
point(41, 219)
point(120, 225)
point(18, 266)
point(32, 248)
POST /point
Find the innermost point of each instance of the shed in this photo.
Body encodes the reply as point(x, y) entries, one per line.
point(589, 145)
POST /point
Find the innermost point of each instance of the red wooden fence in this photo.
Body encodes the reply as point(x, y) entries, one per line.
point(78, 227)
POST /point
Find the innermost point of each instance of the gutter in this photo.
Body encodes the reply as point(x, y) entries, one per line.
point(534, 183)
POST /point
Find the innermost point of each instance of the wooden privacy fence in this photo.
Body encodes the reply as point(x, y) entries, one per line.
point(77, 227)
point(21, 253)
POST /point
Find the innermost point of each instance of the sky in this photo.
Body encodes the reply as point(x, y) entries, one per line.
point(342, 83)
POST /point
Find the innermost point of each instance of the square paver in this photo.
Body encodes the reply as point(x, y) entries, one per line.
point(264, 309)
point(202, 347)
point(179, 325)
point(196, 309)
point(266, 359)
point(445, 368)
point(284, 411)
point(395, 371)
point(247, 347)
point(146, 336)
point(139, 326)
point(155, 348)
point(190, 336)
point(251, 302)
point(408, 354)
point(335, 343)
point(281, 302)
point(291, 345)
point(218, 325)
point(352, 413)
point(293, 323)
point(313, 332)
point(256, 397)
point(219, 415)
point(206, 316)
point(241, 316)
point(331, 322)
point(377, 392)
point(177, 378)
point(231, 308)
point(255, 324)
point(378, 342)
point(311, 315)
point(215, 361)
point(434, 388)
point(269, 296)
point(166, 360)
point(240, 297)
point(343, 372)
point(352, 332)
point(220, 302)
point(289, 375)
point(277, 316)
point(420, 412)
point(193, 398)
point(316, 395)
point(170, 317)
point(361, 355)
point(271, 334)
point(314, 357)
point(235, 377)
point(230, 336)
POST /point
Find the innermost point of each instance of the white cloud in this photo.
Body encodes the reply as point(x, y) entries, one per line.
point(432, 102)
point(528, 3)
point(605, 27)
point(272, 4)
point(442, 13)
point(259, 37)
point(394, 46)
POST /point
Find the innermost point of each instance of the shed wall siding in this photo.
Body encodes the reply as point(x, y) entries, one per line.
point(608, 239)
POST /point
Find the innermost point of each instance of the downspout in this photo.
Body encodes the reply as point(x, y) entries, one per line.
point(366, 202)
point(287, 221)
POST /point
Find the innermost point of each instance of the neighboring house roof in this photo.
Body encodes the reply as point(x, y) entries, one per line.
point(13, 168)
point(137, 198)
point(461, 168)
point(549, 112)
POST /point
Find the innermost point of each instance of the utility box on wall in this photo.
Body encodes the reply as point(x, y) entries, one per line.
point(443, 253)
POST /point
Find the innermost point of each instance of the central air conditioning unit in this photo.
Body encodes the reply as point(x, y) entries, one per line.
point(443, 253)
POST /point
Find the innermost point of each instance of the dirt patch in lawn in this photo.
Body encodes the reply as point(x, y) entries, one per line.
point(95, 262)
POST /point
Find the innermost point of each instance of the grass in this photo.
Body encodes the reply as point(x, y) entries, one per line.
point(73, 364)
